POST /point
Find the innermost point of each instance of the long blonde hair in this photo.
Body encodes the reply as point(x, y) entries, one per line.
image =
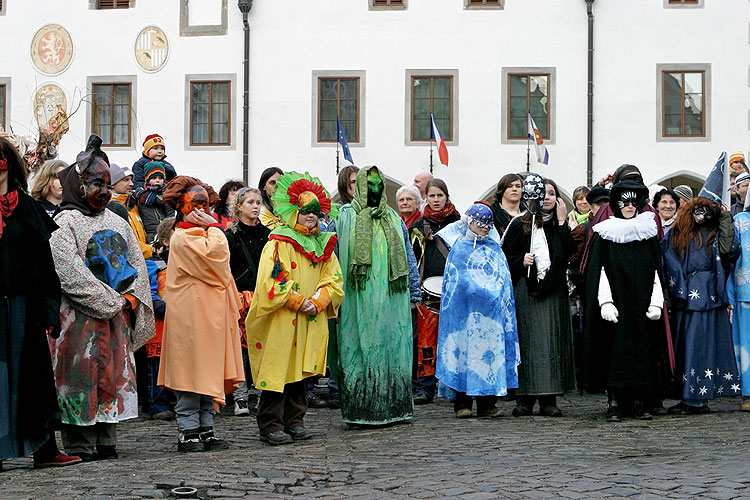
point(234, 208)
point(43, 180)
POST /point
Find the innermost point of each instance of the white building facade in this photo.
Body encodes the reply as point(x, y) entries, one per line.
point(671, 84)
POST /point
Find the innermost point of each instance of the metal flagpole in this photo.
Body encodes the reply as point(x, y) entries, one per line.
point(528, 149)
point(431, 155)
point(337, 157)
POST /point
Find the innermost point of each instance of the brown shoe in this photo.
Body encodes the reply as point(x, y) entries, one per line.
point(745, 406)
point(463, 413)
point(491, 413)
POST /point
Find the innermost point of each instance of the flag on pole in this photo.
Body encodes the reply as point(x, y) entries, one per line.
point(342, 140)
point(542, 156)
point(435, 136)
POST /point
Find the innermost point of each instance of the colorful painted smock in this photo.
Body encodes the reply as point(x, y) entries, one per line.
point(284, 345)
point(738, 291)
point(93, 358)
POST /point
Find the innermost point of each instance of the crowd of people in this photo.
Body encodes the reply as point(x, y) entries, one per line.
point(142, 290)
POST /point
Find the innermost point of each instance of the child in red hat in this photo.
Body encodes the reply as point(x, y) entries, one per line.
point(154, 149)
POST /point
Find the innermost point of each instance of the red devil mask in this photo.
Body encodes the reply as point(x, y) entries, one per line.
point(195, 199)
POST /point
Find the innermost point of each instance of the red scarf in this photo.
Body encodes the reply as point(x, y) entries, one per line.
point(447, 211)
point(8, 203)
point(412, 218)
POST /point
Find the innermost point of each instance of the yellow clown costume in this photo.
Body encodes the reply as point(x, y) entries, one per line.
point(284, 345)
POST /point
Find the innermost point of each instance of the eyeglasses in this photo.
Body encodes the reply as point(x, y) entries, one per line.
point(625, 203)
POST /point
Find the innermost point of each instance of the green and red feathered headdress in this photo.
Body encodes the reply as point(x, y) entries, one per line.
point(300, 193)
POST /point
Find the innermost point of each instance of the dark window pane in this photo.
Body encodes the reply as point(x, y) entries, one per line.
point(348, 110)
point(693, 103)
point(421, 87)
point(441, 108)
point(200, 113)
point(672, 103)
point(693, 124)
point(220, 133)
point(121, 135)
point(328, 89)
point(421, 129)
point(442, 88)
point(121, 115)
point(220, 114)
point(328, 130)
point(101, 95)
point(421, 109)
point(444, 126)
point(350, 130)
point(518, 106)
point(672, 124)
point(102, 117)
point(518, 85)
point(220, 93)
point(200, 92)
point(200, 133)
point(518, 127)
point(328, 110)
point(348, 89)
point(541, 125)
point(122, 94)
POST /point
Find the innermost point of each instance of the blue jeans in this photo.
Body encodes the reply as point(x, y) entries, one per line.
point(158, 397)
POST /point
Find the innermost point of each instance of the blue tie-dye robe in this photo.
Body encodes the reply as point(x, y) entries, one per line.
point(477, 335)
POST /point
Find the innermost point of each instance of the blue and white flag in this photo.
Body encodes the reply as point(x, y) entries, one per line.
point(342, 140)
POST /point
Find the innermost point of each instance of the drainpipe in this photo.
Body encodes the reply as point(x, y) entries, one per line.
point(245, 6)
point(590, 115)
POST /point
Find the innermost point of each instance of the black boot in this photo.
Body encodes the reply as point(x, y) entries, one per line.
point(613, 410)
point(211, 442)
point(524, 406)
point(189, 441)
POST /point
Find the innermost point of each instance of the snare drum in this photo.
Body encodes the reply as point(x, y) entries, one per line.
point(432, 290)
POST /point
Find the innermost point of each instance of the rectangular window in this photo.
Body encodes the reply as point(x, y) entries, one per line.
point(110, 113)
point(683, 102)
point(210, 113)
point(484, 3)
point(528, 92)
point(2, 105)
point(387, 3)
point(338, 97)
point(683, 1)
point(112, 4)
point(431, 94)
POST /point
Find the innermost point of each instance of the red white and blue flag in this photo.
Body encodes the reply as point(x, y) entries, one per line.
point(435, 136)
point(542, 156)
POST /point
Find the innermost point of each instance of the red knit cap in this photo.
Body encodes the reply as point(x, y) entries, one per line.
point(151, 141)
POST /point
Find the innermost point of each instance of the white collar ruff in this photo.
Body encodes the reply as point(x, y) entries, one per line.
point(640, 227)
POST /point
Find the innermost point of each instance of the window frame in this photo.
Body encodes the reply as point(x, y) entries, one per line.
point(320, 100)
point(115, 79)
point(494, 5)
point(455, 125)
point(94, 5)
point(187, 29)
point(671, 4)
point(528, 105)
point(447, 137)
point(317, 75)
point(682, 108)
point(661, 70)
point(233, 111)
point(210, 142)
point(4, 109)
point(551, 73)
point(389, 5)
point(94, 107)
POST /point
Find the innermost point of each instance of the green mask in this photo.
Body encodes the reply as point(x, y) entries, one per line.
point(374, 189)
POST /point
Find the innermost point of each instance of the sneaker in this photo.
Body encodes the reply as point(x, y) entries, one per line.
point(241, 409)
point(164, 415)
point(314, 401)
point(422, 399)
point(210, 441)
point(745, 406)
point(276, 438)
point(106, 452)
point(299, 433)
point(463, 413)
point(640, 413)
point(59, 460)
point(190, 441)
point(491, 413)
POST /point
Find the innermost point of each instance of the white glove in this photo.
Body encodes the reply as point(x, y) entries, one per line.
point(653, 313)
point(609, 312)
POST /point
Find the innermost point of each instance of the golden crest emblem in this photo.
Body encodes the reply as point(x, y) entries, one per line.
point(52, 49)
point(151, 49)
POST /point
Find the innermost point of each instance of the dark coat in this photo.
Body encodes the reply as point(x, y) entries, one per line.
point(561, 246)
point(27, 273)
point(139, 176)
point(152, 215)
point(254, 238)
point(431, 260)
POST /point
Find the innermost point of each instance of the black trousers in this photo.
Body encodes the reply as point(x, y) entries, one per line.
point(484, 403)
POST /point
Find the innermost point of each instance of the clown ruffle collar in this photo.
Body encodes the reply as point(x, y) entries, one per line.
point(317, 247)
point(295, 191)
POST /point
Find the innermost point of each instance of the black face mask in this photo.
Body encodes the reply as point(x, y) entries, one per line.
point(375, 188)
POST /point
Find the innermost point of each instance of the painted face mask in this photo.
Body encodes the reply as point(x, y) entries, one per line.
point(374, 189)
point(95, 182)
point(701, 215)
point(628, 198)
point(195, 199)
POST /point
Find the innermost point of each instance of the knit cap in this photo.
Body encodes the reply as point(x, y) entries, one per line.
point(153, 168)
point(151, 141)
point(684, 191)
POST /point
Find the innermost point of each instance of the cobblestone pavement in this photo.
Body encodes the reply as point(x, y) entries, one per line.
point(434, 456)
